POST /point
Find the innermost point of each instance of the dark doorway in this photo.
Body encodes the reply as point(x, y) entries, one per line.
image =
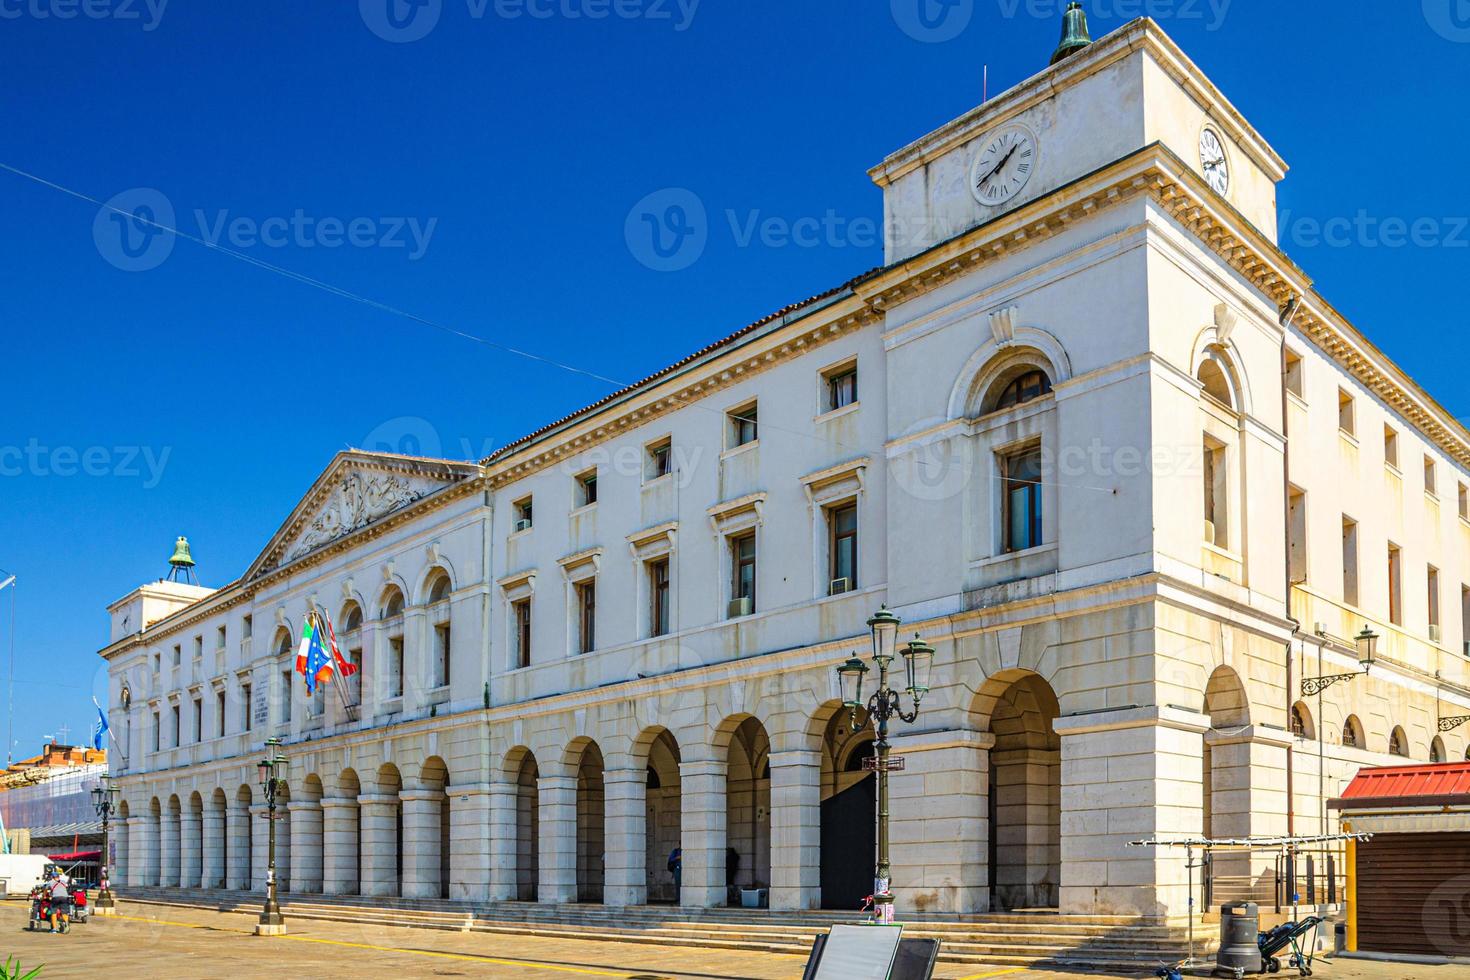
point(849, 841)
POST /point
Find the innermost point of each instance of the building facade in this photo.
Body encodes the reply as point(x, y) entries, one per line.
point(1089, 431)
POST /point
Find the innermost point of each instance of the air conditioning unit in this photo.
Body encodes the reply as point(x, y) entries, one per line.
point(839, 585)
point(524, 524)
point(1435, 633)
point(741, 607)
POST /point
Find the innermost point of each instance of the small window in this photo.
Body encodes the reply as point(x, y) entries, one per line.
point(742, 575)
point(1431, 477)
point(286, 697)
point(1398, 743)
point(742, 424)
point(1296, 542)
point(1465, 619)
point(1464, 502)
point(219, 639)
point(353, 620)
point(246, 698)
point(219, 714)
point(157, 732)
point(842, 548)
point(1346, 413)
point(660, 459)
point(178, 654)
point(841, 387)
point(1349, 561)
point(1433, 583)
point(1352, 733)
point(395, 667)
point(245, 627)
point(440, 591)
point(1391, 446)
point(524, 515)
point(354, 683)
point(394, 606)
point(1436, 750)
point(1295, 382)
point(1022, 500)
point(658, 597)
point(521, 612)
point(587, 488)
point(1395, 585)
point(1301, 721)
point(1216, 486)
point(586, 616)
point(1028, 387)
point(157, 661)
point(177, 727)
point(198, 719)
point(199, 646)
point(441, 655)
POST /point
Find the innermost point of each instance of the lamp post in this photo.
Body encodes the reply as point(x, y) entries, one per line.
point(272, 770)
point(104, 801)
point(885, 704)
point(1366, 643)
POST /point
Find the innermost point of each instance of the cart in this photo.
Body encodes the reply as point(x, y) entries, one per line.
point(1289, 934)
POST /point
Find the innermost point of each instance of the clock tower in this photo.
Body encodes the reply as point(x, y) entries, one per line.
point(1096, 104)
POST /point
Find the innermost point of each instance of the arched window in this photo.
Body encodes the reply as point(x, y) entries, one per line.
point(351, 618)
point(1212, 375)
point(392, 603)
point(1301, 721)
point(283, 642)
point(1436, 750)
point(1398, 743)
point(439, 622)
point(392, 678)
point(1352, 732)
point(440, 591)
point(1026, 388)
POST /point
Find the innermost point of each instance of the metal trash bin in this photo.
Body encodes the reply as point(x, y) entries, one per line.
point(1240, 925)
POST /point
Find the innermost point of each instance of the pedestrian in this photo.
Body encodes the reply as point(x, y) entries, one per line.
point(60, 905)
point(676, 865)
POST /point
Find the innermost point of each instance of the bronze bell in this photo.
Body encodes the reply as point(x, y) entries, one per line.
point(181, 558)
point(1074, 32)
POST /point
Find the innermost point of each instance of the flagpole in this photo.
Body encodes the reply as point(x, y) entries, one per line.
point(336, 668)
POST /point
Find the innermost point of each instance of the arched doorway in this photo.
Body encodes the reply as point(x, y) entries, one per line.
point(1226, 704)
point(663, 815)
point(849, 796)
point(527, 824)
point(748, 806)
point(1019, 708)
point(585, 755)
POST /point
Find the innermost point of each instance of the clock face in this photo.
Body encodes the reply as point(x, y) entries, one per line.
point(1212, 160)
point(1004, 165)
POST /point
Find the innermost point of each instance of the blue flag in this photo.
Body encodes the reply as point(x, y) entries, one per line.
point(100, 729)
point(318, 666)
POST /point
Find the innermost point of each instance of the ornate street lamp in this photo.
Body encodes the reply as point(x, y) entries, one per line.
point(883, 705)
point(1367, 649)
point(104, 801)
point(272, 770)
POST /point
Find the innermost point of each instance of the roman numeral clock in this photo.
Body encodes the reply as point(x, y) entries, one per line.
point(1004, 165)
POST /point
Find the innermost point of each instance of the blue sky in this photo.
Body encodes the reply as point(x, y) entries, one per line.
point(482, 176)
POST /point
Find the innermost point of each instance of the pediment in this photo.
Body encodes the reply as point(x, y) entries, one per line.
point(358, 490)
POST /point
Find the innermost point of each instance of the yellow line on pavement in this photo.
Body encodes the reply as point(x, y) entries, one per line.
point(993, 973)
point(470, 958)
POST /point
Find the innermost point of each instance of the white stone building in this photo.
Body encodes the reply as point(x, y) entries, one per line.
point(1090, 432)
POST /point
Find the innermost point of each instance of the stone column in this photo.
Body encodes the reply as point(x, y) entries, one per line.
point(796, 829)
point(259, 846)
point(469, 843)
point(191, 846)
point(421, 843)
point(306, 846)
point(558, 832)
point(1247, 799)
point(238, 873)
point(169, 860)
point(1128, 775)
point(379, 857)
point(503, 842)
point(625, 795)
point(121, 843)
point(339, 847)
point(702, 832)
point(213, 869)
point(939, 822)
point(137, 867)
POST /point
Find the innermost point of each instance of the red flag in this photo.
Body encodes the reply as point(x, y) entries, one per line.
point(343, 667)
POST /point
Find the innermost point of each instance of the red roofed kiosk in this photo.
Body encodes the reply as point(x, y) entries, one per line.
point(1409, 886)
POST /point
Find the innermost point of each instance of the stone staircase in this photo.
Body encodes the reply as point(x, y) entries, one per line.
point(995, 939)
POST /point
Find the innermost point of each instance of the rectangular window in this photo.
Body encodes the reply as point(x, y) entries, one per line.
point(841, 384)
point(157, 732)
point(1021, 475)
point(658, 597)
point(198, 647)
point(522, 614)
point(587, 488)
point(1346, 414)
point(1434, 602)
point(246, 698)
point(1464, 502)
point(395, 667)
point(1349, 561)
point(1296, 504)
point(178, 654)
point(1395, 585)
point(1294, 374)
point(1391, 446)
point(441, 655)
point(586, 594)
point(660, 459)
point(1465, 619)
point(742, 424)
point(842, 548)
point(523, 514)
point(198, 719)
point(1216, 485)
point(219, 714)
point(177, 728)
point(245, 627)
point(219, 639)
point(742, 575)
point(286, 697)
point(157, 661)
point(1431, 478)
point(354, 686)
